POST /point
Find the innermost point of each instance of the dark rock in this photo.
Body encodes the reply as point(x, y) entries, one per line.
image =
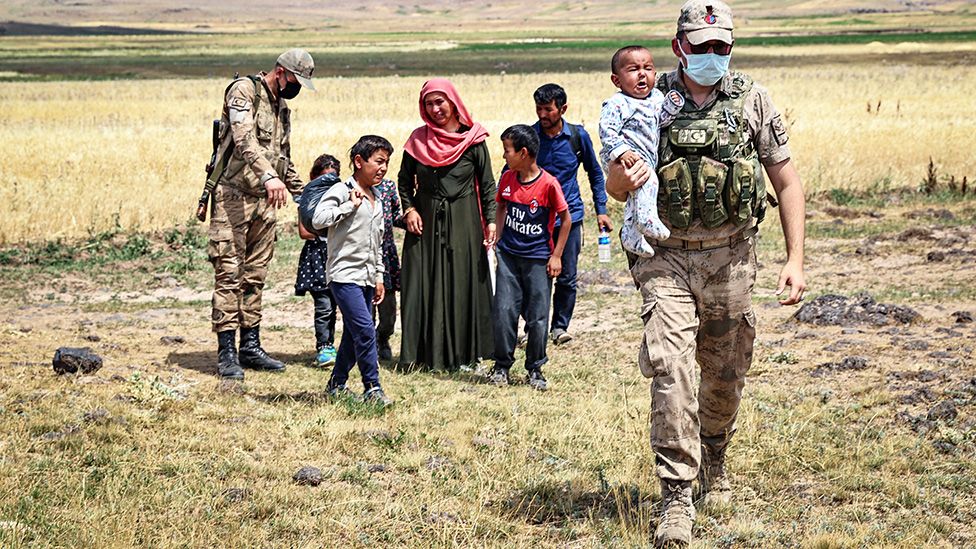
point(943, 411)
point(848, 363)
point(117, 378)
point(376, 468)
point(940, 355)
point(916, 345)
point(967, 388)
point(926, 376)
point(923, 394)
point(308, 476)
point(70, 360)
point(93, 338)
point(963, 317)
point(837, 310)
point(172, 340)
point(25, 329)
point(841, 213)
point(840, 345)
point(236, 495)
point(865, 250)
point(935, 256)
point(806, 334)
point(948, 332)
point(98, 415)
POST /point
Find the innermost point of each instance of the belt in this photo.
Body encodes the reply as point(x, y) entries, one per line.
point(679, 244)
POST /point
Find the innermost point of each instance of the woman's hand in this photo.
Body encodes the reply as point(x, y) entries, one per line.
point(379, 293)
point(413, 222)
point(490, 236)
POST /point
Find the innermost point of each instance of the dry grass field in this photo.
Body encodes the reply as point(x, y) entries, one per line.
point(80, 156)
point(859, 434)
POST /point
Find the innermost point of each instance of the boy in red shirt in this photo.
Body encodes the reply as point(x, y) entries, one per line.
point(529, 199)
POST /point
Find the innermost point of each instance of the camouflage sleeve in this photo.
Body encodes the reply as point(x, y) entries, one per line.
point(291, 179)
point(240, 112)
point(766, 126)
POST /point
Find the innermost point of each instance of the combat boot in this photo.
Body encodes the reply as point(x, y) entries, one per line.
point(677, 514)
point(714, 487)
point(228, 365)
point(253, 356)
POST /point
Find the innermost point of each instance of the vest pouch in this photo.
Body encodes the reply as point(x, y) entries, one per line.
point(674, 195)
point(692, 136)
point(759, 206)
point(740, 191)
point(265, 126)
point(710, 191)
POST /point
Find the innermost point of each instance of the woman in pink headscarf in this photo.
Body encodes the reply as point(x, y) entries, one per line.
point(448, 195)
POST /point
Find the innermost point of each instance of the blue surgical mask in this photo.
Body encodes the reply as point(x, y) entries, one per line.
point(706, 68)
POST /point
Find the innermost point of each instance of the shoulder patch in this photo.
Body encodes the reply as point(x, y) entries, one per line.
point(779, 130)
point(239, 103)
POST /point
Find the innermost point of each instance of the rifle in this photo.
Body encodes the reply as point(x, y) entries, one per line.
point(211, 181)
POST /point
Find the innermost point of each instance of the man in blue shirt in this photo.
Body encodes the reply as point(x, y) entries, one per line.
point(562, 148)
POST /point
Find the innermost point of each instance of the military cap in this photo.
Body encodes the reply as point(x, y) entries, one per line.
point(300, 63)
point(704, 20)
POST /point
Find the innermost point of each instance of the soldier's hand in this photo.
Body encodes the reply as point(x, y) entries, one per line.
point(379, 293)
point(414, 222)
point(792, 276)
point(603, 223)
point(621, 180)
point(277, 194)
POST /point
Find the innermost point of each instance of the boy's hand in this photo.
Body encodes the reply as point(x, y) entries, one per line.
point(355, 197)
point(379, 293)
point(629, 158)
point(555, 266)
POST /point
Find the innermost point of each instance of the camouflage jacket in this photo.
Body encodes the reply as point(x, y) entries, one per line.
point(261, 130)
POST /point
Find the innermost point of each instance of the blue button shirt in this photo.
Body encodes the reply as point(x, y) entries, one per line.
point(557, 157)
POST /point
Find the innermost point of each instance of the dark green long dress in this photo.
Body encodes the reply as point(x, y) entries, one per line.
point(446, 300)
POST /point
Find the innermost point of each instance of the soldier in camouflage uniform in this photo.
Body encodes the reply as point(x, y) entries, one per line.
point(256, 123)
point(697, 289)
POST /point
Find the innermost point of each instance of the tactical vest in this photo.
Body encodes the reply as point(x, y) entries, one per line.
point(268, 132)
point(709, 167)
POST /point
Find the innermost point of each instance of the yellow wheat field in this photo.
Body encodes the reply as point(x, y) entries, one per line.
point(79, 155)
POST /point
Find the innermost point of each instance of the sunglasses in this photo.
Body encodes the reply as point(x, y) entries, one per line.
point(719, 48)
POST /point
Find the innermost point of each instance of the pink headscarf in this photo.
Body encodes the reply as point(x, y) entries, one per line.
point(433, 146)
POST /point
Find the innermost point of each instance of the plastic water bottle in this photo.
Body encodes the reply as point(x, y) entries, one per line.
point(603, 246)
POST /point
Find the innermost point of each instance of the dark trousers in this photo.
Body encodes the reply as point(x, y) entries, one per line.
point(325, 318)
point(521, 286)
point(564, 296)
point(386, 313)
point(358, 343)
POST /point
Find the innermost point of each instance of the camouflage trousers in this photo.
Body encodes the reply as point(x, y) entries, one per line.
point(697, 311)
point(242, 240)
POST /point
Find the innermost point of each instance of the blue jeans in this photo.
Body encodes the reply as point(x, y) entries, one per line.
point(521, 286)
point(358, 343)
point(564, 297)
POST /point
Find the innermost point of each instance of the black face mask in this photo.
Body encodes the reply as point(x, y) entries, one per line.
point(290, 91)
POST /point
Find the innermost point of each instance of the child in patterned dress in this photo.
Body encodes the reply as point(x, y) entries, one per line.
point(630, 128)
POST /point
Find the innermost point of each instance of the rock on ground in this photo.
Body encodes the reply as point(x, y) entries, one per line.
point(71, 360)
point(837, 310)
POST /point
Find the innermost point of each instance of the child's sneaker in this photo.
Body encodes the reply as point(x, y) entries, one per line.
point(338, 392)
point(376, 396)
point(326, 357)
point(536, 381)
point(498, 376)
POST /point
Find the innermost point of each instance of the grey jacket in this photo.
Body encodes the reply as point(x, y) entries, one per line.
point(355, 236)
